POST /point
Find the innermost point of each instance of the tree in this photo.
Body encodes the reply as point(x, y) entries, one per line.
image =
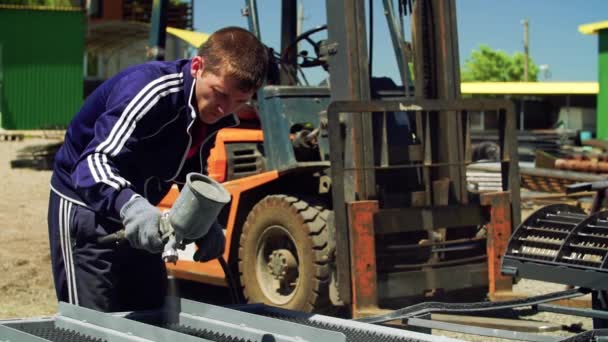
point(487, 64)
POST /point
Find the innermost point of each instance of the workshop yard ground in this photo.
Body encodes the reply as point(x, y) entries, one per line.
point(26, 281)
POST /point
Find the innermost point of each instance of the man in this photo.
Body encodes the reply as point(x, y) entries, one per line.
point(136, 135)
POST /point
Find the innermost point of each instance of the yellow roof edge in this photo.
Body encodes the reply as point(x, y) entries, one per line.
point(593, 28)
point(194, 38)
point(530, 88)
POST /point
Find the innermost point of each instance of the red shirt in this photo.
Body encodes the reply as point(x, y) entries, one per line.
point(198, 133)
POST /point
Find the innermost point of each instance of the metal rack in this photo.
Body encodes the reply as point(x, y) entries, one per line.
point(561, 244)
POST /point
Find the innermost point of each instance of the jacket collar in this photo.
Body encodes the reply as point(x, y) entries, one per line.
point(189, 83)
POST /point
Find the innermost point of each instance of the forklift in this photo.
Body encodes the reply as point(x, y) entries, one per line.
point(351, 195)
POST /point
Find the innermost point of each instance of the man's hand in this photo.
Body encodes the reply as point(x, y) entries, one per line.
point(142, 221)
point(210, 246)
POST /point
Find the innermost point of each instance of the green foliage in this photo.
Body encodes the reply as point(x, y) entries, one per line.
point(517, 68)
point(486, 64)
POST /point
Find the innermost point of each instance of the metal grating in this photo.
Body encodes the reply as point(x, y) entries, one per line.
point(541, 236)
point(188, 321)
point(244, 159)
point(204, 333)
point(560, 236)
point(352, 334)
point(52, 333)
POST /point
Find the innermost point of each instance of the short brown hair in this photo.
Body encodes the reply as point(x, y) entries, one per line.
point(238, 53)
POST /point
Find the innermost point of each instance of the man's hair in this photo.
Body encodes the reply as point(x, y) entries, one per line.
point(236, 52)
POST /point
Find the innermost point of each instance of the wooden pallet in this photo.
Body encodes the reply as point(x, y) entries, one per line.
point(8, 136)
point(38, 157)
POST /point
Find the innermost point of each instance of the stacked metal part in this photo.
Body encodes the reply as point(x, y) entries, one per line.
point(561, 244)
point(484, 177)
point(188, 321)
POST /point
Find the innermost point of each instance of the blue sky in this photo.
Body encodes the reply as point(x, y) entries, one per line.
point(554, 36)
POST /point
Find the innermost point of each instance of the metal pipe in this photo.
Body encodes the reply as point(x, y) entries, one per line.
point(251, 12)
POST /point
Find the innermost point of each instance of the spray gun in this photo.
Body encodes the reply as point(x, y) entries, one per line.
point(190, 217)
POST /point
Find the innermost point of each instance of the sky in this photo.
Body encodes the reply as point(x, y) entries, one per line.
point(554, 38)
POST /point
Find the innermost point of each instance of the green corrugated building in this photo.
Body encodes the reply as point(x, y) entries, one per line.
point(601, 29)
point(41, 66)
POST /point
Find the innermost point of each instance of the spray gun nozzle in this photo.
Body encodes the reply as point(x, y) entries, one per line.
point(170, 256)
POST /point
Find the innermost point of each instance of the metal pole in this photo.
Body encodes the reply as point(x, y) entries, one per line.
point(300, 19)
point(526, 24)
point(398, 38)
point(521, 114)
point(289, 19)
point(349, 80)
point(300, 25)
point(251, 12)
point(158, 30)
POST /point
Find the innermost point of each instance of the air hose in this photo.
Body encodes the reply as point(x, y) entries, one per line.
point(232, 283)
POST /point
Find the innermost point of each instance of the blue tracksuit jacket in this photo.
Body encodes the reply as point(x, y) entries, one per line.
point(132, 136)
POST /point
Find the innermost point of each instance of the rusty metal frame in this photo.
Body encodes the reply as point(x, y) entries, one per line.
point(498, 231)
point(363, 256)
point(347, 256)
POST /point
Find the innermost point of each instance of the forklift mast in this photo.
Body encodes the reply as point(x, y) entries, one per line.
point(350, 81)
point(445, 149)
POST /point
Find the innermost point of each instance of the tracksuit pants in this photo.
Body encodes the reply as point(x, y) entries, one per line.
point(108, 278)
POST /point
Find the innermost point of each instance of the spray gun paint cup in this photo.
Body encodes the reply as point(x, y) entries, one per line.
point(194, 211)
point(197, 206)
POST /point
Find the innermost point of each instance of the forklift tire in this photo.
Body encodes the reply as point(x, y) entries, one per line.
point(285, 254)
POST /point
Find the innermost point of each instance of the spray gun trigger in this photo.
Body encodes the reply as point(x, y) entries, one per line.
point(165, 228)
point(167, 235)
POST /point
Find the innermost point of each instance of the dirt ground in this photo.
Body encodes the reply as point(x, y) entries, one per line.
point(26, 281)
point(26, 284)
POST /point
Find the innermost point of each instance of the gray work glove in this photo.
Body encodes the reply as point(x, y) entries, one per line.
point(142, 222)
point(210, 246)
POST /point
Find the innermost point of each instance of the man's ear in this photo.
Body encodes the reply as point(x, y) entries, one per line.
point(198, 63)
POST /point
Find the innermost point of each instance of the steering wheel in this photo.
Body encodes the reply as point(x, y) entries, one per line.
point(307, 61)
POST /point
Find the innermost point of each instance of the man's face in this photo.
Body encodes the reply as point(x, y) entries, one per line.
point(215, 95)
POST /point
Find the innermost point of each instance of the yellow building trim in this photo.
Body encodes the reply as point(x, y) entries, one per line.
point(593, 28)
point(530, 88)
point(194, 38)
